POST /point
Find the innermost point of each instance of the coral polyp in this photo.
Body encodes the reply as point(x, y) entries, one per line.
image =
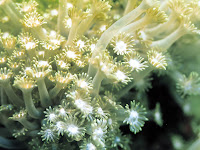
point(67, 68)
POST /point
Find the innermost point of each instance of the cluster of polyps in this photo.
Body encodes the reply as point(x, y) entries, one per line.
point(70, 66)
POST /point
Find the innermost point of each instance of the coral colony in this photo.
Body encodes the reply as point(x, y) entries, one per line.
point(67, 66)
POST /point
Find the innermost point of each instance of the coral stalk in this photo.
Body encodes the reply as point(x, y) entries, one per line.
point(3, 97)
point(62, 12)
point(97, 82)
point(28, 125)
point(13, 98)
point(32, 111)
point(131, 4)
point(54, 92)
point(44, 95)
point(152, 32)
point(10, 9)
point(136, 25)
point(116, 27)
point(39, 32)
point(167, 42)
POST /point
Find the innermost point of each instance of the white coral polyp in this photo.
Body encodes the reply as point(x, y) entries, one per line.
point(121, 76)
point(80, 103)
point(134, 114)
point(68, 23)
point(98, 132)
point(90, 146)
point(135, 64)
point(80, 44)
point(83, 106)
point(72, 129)
point(30, 45)
point(71, 54)
point(48, 134)
point(121, 47)
point(82, 84)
